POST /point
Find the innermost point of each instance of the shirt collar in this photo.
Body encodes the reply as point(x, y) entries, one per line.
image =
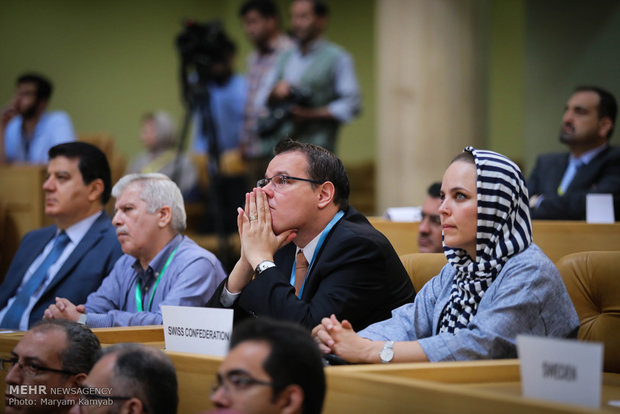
point(311, 246)
point(158, 261)
point(588, 156)
point(78, 230)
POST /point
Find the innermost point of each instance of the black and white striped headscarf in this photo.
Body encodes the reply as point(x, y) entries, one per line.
point(504, 229)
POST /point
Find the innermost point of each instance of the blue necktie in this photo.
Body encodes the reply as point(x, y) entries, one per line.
point(13, 315)
point(569, 174)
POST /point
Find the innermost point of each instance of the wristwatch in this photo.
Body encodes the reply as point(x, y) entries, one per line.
point(82, 319)
point(387, 353)
point(264, 265)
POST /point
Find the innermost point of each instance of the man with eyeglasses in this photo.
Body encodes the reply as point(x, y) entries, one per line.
point(130, 378)
point(429, 230)
point(47, 367)
point(337, 262)
point(272, 367)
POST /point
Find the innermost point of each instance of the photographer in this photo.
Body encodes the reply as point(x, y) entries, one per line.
point(315, 84)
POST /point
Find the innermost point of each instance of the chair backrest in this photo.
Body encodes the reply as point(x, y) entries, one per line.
point(422, 267)
point(593, 283)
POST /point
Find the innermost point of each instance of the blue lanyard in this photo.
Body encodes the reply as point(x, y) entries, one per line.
point(139, 291)
point(324, 234)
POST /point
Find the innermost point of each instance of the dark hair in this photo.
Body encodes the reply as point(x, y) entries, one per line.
point(607, 106)
point(266, 8)
point(44, 86)
point(319, 7)
point(93, 163)
point(434, 190)
point(294, 358)
point(145, 373)
point(83, 347)
point(322, 166)
point(465, 156)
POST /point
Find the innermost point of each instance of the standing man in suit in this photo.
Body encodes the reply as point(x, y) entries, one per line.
point(337, 262)
point(560, 182)
point(70, 258)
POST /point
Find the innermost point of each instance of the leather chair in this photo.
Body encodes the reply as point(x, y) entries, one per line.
point(593, 284)
point(422, 267)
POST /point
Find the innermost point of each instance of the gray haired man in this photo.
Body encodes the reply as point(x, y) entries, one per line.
point(160, 266)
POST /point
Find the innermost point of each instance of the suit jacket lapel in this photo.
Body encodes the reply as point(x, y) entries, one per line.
point(91, 238)
point(585, 175)
point(13, 281)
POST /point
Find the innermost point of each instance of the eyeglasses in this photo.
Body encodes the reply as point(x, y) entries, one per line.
point(236, 381)
point(280, 180)
point(28, 368)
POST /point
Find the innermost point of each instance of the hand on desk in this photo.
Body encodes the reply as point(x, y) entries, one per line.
point(64, 309)
point(339, 338)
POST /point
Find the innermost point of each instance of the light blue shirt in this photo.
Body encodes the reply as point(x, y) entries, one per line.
point(227, 108)
point(75, 234)
point(189, 280)
point(528, 296)
point(53, 128)
point(573, 165)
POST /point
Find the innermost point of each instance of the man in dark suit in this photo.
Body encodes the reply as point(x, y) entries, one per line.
point(70, 258)
point(337, 262)
point(560, 182)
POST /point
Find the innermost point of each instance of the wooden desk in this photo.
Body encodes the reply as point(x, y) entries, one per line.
point(555, 238)
point(195, 375)
point(459, 387)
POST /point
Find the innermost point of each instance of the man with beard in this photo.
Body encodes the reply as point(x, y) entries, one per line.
point(316, 78)
point(27, 130)
point(560, 182)
point(429, 230)
point(261, 24)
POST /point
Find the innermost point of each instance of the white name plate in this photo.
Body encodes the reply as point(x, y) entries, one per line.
point(599, 208)
point(198, 330)
point(561, 370)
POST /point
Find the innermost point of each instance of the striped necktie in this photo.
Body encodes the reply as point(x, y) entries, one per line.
point(13, 315)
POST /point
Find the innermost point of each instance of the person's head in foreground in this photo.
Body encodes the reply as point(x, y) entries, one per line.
point(52, 355)
point(272, 367)
point(135, 378)
point(496, 284)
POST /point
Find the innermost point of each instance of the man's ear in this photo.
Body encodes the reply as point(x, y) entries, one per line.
point(165, 216)
point(326, 194)
point(95, 189)
point(604, 126)
point(291, 400)
point(132, 406)
point(75, 382)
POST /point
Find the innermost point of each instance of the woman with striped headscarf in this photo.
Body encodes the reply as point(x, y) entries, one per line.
point(497, 283)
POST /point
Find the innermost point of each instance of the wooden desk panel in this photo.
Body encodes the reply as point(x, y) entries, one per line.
point(463, 387)
point(555, 238)
point(195, 375)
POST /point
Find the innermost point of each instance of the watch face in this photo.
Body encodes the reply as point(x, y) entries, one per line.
point(386, 354)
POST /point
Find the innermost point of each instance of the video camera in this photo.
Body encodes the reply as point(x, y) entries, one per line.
point(280, 110)
point(200, 46)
